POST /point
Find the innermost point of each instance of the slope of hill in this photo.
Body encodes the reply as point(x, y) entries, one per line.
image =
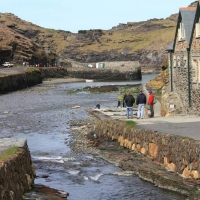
point(144, 41)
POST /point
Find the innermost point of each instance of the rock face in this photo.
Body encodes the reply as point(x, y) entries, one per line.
point(16, 171)
point(15, 46)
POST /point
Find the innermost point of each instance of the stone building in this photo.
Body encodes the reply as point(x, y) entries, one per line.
point(184, 59)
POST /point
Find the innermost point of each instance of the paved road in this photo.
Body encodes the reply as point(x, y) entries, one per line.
point(185, 126)
point(11, 70)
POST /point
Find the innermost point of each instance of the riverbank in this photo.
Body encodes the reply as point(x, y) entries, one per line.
point(41, 114)
point(134, 160)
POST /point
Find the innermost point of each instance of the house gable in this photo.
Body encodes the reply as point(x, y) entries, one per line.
point(185, 25)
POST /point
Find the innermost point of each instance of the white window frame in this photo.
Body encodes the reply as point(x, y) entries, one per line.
point(181, 32)
point(197, 27)
point(196, 70)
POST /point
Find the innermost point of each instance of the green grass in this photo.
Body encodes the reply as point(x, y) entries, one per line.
point(95, 90)
point(185, 138)
point(130, 124)
point(9, 152)
point(75, 91)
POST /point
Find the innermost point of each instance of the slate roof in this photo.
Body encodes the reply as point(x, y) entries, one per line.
point(171, 47)
point(188, 17)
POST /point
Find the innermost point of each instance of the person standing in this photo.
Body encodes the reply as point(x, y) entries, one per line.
point(140, 102)
point(150, 103)
point(129, 100)
point(124, 103)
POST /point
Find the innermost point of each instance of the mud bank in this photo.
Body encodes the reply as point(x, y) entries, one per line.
point(16, 169)
point(104, 137)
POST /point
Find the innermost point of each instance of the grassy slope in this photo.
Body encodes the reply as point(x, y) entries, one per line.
point(133, 38)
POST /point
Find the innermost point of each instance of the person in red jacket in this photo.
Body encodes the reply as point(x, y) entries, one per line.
point(150, 103)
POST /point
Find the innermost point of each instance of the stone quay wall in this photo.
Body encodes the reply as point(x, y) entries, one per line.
point(104, 74)
point(53, 72)
point(181, 155)
point(13, 82)
point(16, 170)
point(92, 73)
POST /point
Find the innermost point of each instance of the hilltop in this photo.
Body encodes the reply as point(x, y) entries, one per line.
point(145, 41)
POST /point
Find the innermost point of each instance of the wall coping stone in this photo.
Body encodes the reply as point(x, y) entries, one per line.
point(13, 142)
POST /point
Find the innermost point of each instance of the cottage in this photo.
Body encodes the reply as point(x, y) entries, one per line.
point(184, 59)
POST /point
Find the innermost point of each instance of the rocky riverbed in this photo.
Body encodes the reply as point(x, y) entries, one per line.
point(133, 163)
point(45, 115)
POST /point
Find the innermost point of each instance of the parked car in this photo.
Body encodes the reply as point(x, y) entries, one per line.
point(7, 64)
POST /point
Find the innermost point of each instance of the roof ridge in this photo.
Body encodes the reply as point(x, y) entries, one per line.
point(188, 8)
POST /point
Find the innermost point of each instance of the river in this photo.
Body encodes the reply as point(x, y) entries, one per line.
point(42, 115)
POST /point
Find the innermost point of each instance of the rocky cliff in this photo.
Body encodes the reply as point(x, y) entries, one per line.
point(144, 41)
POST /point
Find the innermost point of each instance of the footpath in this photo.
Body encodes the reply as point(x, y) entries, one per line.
point(186, 126)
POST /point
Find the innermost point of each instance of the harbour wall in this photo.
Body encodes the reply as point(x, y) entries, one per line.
point(13, 82)
point(16, 169)
point(177, 154)
point(93, 73)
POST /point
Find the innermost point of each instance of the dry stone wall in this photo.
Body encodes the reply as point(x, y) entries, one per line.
point(178, 154)
point(16, 171)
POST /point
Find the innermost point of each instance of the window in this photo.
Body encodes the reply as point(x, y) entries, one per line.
point(181, 32)
point(198, 29)
point(195, 70)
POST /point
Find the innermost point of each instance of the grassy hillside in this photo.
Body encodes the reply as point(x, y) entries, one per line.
point(134, 39)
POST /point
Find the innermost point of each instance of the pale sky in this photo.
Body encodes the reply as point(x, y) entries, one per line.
point(74, 15)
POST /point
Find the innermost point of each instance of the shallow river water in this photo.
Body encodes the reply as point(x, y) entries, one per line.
point(42, 114)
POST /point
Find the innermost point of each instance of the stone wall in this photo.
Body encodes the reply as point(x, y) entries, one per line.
point(54, 72)
point(16, 170)
point(181, 155)
point(91, 73)
point(121, 66)
point(104, 74)
point(180, 74)
point(13, 82)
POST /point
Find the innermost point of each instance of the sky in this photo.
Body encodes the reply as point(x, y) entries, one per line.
point(75, 15)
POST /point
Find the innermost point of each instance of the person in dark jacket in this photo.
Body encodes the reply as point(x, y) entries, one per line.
point(129, 100)
point(141, 101)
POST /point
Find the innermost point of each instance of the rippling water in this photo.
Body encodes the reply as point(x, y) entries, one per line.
point(41, 114)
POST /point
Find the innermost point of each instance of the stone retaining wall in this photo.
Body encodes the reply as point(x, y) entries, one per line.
point(54, 72)
point(176, 153)
point(91, 73)
point(104, 74)
point(13, 82)
point(16, 171)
